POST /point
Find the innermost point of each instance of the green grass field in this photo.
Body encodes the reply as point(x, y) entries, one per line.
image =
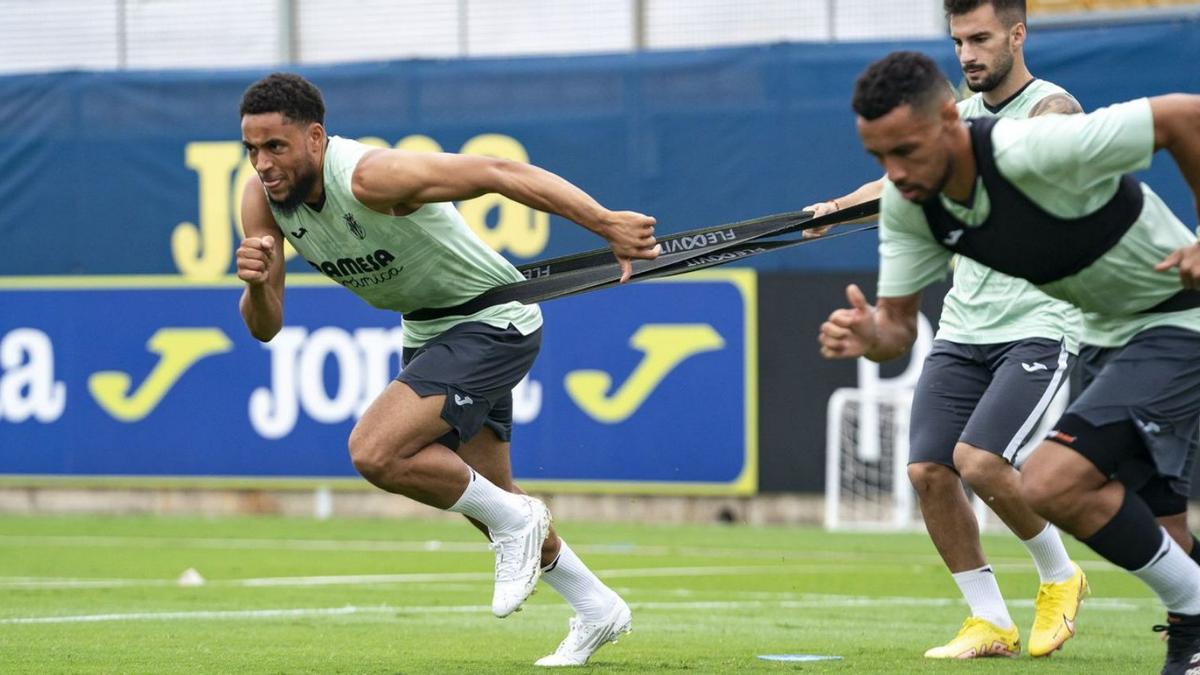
point(100, 594)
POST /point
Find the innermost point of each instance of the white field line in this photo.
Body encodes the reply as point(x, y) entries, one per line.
point(378, 579)
point(795, 568)
point(810, 602)
point(436, 546)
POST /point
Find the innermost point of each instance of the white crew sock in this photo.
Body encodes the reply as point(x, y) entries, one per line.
point(982, 592)
point(578, 585)
point(1174, 577)
point(500, 510)
point(1050, 556)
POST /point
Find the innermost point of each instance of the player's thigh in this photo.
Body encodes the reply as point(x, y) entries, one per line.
point(1025, 376)
point(472, 368)
point(399, 422)
point(952, 380)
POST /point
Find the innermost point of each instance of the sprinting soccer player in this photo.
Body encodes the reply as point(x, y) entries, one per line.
point(1002, 350)
point(1048, 199)
point(380, 223)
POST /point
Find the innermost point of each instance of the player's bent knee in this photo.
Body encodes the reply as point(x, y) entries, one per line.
point(1047, 495)
point(930, 477)
point(373, 458)
point(978, 467)
point(369, 462)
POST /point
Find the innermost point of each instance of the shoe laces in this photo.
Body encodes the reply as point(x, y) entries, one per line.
point(1050, 595)
point(1183, 640)
point(578, 636)
point(508, 558)
point(969, 623)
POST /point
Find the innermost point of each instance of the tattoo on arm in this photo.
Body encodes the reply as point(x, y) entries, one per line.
point(1063, 104)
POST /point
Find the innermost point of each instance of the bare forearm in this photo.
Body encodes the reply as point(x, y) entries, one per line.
point(262, 311)
point(864, 193)
point(894, 335)
point(545, 191)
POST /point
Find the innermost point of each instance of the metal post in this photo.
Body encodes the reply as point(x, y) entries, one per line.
point(639, 25)
point(464, 37)
point(122, 36)
point(289, 24)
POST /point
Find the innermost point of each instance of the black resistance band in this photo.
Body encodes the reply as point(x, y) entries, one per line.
point(681, 252)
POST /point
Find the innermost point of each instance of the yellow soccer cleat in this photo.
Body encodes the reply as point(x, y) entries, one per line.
point(1054, 613)
point(978, 638)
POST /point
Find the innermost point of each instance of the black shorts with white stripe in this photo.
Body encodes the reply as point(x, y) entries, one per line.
point(990, 396)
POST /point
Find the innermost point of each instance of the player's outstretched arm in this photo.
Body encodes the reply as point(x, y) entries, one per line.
point(386, 180)
point(880, 333)
point(260, 265)
point(1177, 130)
point(864, 193)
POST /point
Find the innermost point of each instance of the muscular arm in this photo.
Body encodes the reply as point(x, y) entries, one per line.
point(864, 193)
point(1056, 104)
point(260, 265)
point(1177, 130)
point(387, 179)
point(392, 181)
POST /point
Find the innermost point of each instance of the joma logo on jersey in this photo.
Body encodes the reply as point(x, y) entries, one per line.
point(344, 267)
point(355, 228)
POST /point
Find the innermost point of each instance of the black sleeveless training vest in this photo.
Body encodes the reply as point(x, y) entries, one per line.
point(1021, 239)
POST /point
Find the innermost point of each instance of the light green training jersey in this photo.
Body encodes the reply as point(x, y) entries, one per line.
point(985, 306)
point(1070, 166)
point(427, 259)
point(1100, 338)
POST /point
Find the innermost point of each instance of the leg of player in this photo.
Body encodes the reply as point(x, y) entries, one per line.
point(1170, 508)
point(951, 524)
point(1177, 526)
point(601, 616)
point(1062, 582)
point(393, 447)
point(1069, 490)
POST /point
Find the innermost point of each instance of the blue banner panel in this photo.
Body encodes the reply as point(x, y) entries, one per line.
point(140, 172)
point(646, 387)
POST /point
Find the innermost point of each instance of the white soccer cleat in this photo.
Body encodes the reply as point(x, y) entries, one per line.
point(585, 638)
point(519, 559)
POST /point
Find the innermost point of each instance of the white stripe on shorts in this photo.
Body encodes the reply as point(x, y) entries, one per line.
point(1010, 452)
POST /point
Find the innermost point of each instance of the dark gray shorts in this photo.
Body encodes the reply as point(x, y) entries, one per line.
point(1091, 362)
point(476, 367)
point(1138, 473)
point(990, 396)
point(1152, 384)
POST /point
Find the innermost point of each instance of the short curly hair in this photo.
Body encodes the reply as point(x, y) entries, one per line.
point(900, 78)
point(290, 95)
point(1011, 12)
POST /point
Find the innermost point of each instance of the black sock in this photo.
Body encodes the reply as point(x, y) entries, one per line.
point(1131, 539)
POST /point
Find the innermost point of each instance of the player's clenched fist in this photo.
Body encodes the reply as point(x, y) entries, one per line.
point(849, 333)
point(254, 259)
point(631, 236)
